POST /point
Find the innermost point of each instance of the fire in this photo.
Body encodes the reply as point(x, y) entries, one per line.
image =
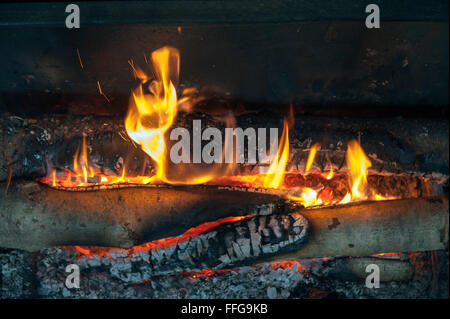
point(275, 174)
point(330, 173)
point(308, 197)
point(152, 109)
point(358, 165)
point(311, 156)
point(151, 114)
point(83, 174)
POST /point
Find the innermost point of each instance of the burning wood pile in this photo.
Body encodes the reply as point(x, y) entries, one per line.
point(144, 206)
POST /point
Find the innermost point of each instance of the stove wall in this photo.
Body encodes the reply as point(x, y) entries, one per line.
point(323, 65)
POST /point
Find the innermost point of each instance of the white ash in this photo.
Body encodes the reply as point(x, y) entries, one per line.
point(303, 279)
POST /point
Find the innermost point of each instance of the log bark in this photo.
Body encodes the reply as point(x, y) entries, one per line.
point(34, 216)
point(355, 269)
point(377, 227)
point(391, 226)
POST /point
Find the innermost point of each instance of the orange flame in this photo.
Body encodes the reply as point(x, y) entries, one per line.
point(311, 156)
point(330, 173)
point(152, 109)
point(358, 165)
point(151, 115)
point(308, 197)
point(276, 171)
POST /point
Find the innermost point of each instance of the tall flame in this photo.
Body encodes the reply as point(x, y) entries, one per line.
point(311, 156)
point(81, 164)
point(151, 114)
point(275, 174)
point(358, 165)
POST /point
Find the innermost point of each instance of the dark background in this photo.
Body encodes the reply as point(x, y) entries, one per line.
point(247, 56)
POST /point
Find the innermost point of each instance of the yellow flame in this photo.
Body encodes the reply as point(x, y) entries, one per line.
point(80, 162)
point(308, 197)
point(311, 156)
point(330, 173)
point(275, 174)
point(347, 198)
point(54, 178)
point(150, 115)
point(358, 165)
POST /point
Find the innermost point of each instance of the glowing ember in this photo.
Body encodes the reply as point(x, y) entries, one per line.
point(160, 243)
point(205, 273)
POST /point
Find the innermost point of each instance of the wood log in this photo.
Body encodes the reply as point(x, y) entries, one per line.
point(364, 229)
point(34, 216)
point(355, 269)
point(390, 225)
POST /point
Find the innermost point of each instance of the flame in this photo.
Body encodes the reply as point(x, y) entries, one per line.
point(83, 174)
point(152, 110)
point(151, 115)
point(311, 156)
point(358, 164)
point(347, 198)
point(276, 171)
point(308, 197)
point(330, 173)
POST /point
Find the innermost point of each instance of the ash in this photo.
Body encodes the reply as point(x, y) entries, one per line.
point(42, 275)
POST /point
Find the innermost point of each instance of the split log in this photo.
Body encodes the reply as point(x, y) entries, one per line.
point(377, 227)
point(34, 216)
point(393, 225)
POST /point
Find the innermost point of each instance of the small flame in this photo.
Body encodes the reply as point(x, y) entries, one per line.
point(347, 198)
point(311, 156)
point(308, 197)
point(276, 171)
point(81, 164)
point(330, 173)
point(358, 164)
point(54, 178)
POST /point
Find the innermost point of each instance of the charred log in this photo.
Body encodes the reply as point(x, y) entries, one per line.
point(251, 240)
point(34, 216)
point(370, 228)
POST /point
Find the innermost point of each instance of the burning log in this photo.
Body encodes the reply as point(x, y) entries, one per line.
point(281, 236)
point(27, 144)
point(34, 216)
point(232, 244)
point(364, 229)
